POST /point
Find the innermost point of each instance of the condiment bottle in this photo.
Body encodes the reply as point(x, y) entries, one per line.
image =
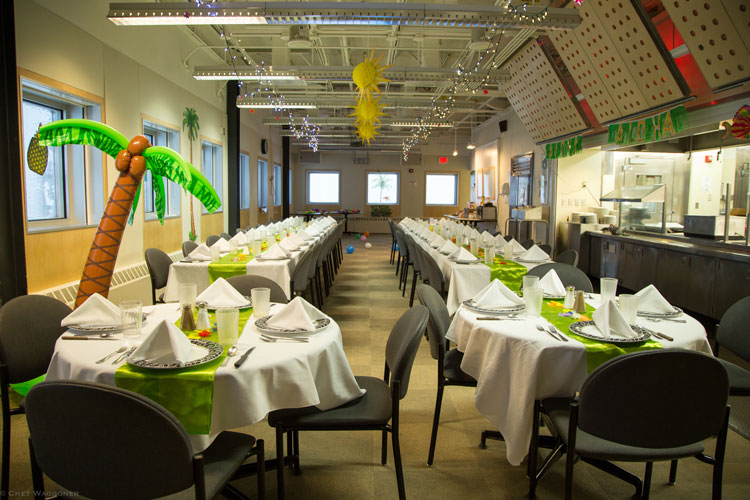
point(187, 321)
point(580, 304)
point(570, 297)
point(203, 323)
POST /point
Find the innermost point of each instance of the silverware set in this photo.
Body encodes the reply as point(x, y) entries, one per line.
point(268, 338)
point(552, 332)
point(659, 335)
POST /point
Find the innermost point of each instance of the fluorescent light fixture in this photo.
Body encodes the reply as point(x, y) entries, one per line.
point(249, 74)
point(264, 104)
point(423, 124)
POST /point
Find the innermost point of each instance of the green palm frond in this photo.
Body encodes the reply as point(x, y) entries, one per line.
point(160, 199)
point(203, 190)
point(79, 131)
point(135, 204)
point(168, 163)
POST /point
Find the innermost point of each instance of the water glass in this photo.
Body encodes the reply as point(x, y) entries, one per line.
point(530, 282)
point(532, 297)
point(261, 298)
point(629, 307)
point(227, 325)
point(215, 252)
point(508, 252)
point(233, 246)
point(186, 293)
point(131, 315)
point(256, 245)
point(489, 255)
point(474, 246)
point(608, 288)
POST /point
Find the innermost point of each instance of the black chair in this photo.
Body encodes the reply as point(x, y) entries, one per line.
point(126, 446)
point(158, 263)
point(415, 257)
point(433, 275)
point(244, 283)
point(29, 328)
point(568, 274)
point(733, 334)
point(449, 360)
point(643, 407)
point(211, 240)
point(187, 247)
point(546, 248)
point(226, 236)
point(508, 237)
point(372, 411)
point(569, 256)
point(394, 243)
point(527, 244)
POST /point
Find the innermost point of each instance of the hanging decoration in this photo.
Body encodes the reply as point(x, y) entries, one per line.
point(653, 128)
point(36, 156)
point(367, 76)
point(562, 149)
point(740, 124)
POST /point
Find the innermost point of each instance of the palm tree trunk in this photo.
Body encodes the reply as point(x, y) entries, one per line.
point(190, 199)
point(100, 264)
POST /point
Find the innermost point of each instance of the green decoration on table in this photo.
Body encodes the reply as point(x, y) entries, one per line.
point(23, 388)
point(509, 272)
point(562, 149)
point(227, 266)
point(653, 128)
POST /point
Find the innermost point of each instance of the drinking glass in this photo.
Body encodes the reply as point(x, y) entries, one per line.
point(533, 299)
point(256, 244)
point(233, 246)
point(474, 246)
point(508, 252)
point(215, 252)
point(227, 325)
point(261, 298)
point(530, 282)
point(608, 288)
point(186, 293)
point(131, 314)
point(629, 307)
point(489, 255)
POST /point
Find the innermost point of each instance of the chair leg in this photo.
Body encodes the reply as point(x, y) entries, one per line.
point(647, 480)
point(413, 288)
point(384, 449)
point(398, 263)
point(295, 442)
point(533, 451)
point(435, 422)
point(279, 463)
point(5, 480)
point(673, 472)
point(721, 446)
point(397, 462)
point(37, 477)
point(260, 452)
point(571, 455)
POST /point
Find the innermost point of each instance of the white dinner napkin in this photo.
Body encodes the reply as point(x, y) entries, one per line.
point(96, 310)
point(274, 252)
point(239, 238)
point(475, 234)
point(221, 294)
point(437, 241)
point(487, 238)
point(165, 343)
point(500, 242)
point(305, 235)
point(297, 239)
point(534, 254)
point(653, 302)
point(466, 231)
point(552, 285)
point(250, 235)
point(297, 314)
point(463, 255)
point(289, 245)
point(517, 247)
point(201, 252)
point(496, 294)
point(222, 244)
point(610, 321)
point(448, 247)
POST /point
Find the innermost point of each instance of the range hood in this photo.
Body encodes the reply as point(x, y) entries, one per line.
point(637, 194)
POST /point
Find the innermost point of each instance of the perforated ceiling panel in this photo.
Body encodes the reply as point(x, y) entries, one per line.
point(539, 97)
point(717, 34)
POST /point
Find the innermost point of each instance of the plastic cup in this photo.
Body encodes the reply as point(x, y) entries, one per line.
point(215, 252)
point(530, 282)
point(186, 293)
point(608, 288)
point(256, 244)
point(489, 255)
point(629, 307)
point(227, 325)
point(533, 299)
point(261, 298)
point(508, 252)
point(233, 246)
point(131, 315)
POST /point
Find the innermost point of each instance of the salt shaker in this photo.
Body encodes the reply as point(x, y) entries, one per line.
point(570, 297)
point(187, 321)
point(580, 304)
point(203, 323)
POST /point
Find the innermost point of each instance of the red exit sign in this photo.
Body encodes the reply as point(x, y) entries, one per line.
point(443, 159)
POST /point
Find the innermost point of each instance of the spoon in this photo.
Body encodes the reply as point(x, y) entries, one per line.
point(542, 329)
point(230, 352)
point(656, 320)
point(120, 350)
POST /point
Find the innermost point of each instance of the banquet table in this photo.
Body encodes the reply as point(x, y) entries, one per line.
point(275, 376)
point(515, 364)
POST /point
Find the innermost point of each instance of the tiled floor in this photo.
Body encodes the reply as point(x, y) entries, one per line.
point(365, 302)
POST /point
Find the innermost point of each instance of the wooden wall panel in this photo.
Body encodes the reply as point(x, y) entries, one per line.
point(56, 257)
point(167, 237)
point(211, 224)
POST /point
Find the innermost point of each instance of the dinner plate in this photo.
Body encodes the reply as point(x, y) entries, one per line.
point(467, 261)
point(204, 351)
point(589, 330)
point(469, 303)
point(519, 259)
point(677, 312)
point(246, 305)
point(99, 328)
point(262, 325)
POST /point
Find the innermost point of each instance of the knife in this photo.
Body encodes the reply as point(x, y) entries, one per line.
point(242, 359)
point(83, 337)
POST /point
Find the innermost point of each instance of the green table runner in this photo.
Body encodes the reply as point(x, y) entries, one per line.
point(507, 271)
point(228, 266)
point(596, 352)
point(188, 393)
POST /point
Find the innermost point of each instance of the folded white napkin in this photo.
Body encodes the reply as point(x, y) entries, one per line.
point(222, 244)
point(297, 239)
point(496, 294)
point(463, 255)
point(610, 321)
point(437, 241)
point(466, 231)
point(517, 247)
point(239, 238)
point(487, 238)
point(201, 252)
point(297, 314)
point(289, 245)
point(305, 235)
point(165, 343)
point(534, 254)
point(500, 242)
point(96, 310)
point(250, 235)
point(653, 302)
point(475, 234)
point(271, 228)
point(552, 285)
point(274, 252)
point(448, 247)
point(221, 294)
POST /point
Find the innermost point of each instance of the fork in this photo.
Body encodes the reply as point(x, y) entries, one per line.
point(542, 329)
point(124, 355)
point(552, 329)
point(266, 338)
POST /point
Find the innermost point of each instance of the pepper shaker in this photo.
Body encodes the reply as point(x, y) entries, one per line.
point(580, 304)
point(187, 321)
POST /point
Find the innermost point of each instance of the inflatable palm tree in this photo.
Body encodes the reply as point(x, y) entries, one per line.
point(132, 159)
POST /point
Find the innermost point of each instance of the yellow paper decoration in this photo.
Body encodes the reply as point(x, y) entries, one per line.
point(367, 75)
point(366, 132)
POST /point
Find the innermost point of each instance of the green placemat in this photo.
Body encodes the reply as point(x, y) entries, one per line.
point(228, 266)
point(509, 272)
point(596, 352)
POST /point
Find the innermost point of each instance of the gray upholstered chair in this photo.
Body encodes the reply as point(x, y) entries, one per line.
point(568, 274)
point(394, 243)
point(226, 236)
point(126, 446)
point(569, 256)
point(433, 275)
point(158, 263)
point(734, 334)
point(527, 243)
point(211, 240)
point(649, 406)
point(29, 328)
point(187, 247)
point(403, 252)
point(416, 258)
point(244, 283)
point(546, 248)
point(378, 406)
point(449, 360)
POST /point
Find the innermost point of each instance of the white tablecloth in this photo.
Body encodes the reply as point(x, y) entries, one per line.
point(514, 364)
point(275, 376)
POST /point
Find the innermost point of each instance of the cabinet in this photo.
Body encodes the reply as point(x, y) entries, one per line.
point(732, 284)
point(687, 280)
point(638, 265)
point(610, 259)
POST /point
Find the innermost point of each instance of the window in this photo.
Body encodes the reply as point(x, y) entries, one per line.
point(262, 183)
point(277, 189)
point(70, 193)
point(323, 187)
point(211, 164)
point(441, 189)
point(159, 135)
point(382, 188)
point(244, 181)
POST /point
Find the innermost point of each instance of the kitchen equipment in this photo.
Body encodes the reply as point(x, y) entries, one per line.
point(712, 226)
point(639, 203)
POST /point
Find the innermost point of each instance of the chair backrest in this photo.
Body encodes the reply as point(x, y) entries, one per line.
point(403, 248)
point(301, 271)
point(546, 248)
point(439, 320)
point(187, 247)
point(211, 240)
point(655, 399)
point(314, 261)
point(527, 244)
point(508, 237)
point(403, 344)
point(158, 263)
point(734, 332)
point(226, 236)
point(431, 270)
point(29, 328)
point(414, 256)
point(568, 274)
point(244, 283)
point(123, 445)
point(569, 256)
